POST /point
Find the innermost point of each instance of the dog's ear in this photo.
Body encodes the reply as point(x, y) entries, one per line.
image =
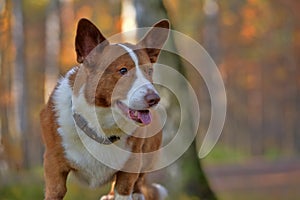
point(154, 40)
point(87, 38)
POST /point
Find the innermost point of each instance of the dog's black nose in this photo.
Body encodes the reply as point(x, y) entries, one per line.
point(152, 99)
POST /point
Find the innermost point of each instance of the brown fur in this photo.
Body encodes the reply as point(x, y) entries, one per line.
point(99, 92)
point(55, 165)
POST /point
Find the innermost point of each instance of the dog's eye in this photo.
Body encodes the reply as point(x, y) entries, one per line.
point(123, 70)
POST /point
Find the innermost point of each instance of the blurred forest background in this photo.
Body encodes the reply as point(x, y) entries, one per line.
point(255, 44)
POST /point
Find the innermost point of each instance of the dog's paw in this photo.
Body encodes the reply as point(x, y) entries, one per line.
point(162, 191)
point(138, 196)
point(122, 197)
point(107, 197)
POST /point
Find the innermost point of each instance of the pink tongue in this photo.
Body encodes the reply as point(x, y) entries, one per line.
point(144, 116)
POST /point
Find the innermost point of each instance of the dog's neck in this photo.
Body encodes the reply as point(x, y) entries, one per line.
point(101, 124)
point(83, 125)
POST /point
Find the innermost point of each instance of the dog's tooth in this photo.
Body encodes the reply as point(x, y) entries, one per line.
point(136, 113)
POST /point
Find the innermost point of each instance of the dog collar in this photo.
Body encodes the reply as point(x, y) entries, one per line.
point(83, 125)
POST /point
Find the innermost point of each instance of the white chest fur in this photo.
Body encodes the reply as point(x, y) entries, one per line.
point(88, 157)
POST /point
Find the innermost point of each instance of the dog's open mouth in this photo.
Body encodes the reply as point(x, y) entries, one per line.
point(139, 116)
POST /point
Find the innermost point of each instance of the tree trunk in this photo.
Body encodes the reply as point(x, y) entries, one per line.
point(191, 180)
point(52, 46)
point(211, 29)
point(20, 82)
point(8, 155)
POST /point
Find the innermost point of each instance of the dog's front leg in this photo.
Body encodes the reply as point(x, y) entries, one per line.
point(124, 185)
point(125, 181)
point(55, 178)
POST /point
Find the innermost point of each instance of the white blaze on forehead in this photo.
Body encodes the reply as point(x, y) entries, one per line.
point(133, 56)
point(135, 60)
point(131, 53)
point(140, 87)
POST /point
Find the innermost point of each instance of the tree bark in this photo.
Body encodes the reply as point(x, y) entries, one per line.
point(52, 46)
point(191, 180)
point(211, 29)
point(20, 82)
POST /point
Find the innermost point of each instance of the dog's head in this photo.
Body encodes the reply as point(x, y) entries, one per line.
point(120, 75)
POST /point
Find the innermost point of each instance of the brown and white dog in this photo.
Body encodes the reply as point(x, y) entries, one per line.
point(103, 103)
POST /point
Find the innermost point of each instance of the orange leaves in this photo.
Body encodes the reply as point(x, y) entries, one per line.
point(255, 17)
point(249, 15)
point(248, 32)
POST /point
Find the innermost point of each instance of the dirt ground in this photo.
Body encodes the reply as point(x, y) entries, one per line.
point(256, 179)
